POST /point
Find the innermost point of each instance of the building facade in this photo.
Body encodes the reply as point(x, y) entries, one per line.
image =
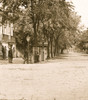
point(7, 38)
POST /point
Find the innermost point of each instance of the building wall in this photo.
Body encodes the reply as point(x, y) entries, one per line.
point(0, 33)
point(6, 36)
point(7, 29)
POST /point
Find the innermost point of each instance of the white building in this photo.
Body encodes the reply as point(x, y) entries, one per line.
point(6, 38)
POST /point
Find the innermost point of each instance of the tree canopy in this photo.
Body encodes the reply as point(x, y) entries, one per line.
point(54, 21)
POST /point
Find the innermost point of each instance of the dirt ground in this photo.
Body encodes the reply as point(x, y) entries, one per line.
point(64, 78)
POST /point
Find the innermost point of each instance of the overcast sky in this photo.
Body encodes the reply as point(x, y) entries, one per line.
point(81, 6)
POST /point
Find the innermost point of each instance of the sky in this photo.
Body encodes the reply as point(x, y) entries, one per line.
point(81, 7)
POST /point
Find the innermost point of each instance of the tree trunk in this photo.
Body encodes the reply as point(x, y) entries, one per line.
point(48, 51)
point(62, 51)
point(51, 49)
point(55, 49)
point(35, 33)
point(34, 22)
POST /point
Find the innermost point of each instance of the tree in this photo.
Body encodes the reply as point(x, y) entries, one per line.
point(82, 44)
point(53, 20)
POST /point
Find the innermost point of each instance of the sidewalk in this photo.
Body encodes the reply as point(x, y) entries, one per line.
point(15, 61)
point(20, 60)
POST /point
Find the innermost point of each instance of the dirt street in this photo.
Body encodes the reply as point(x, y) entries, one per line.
point(64, 78)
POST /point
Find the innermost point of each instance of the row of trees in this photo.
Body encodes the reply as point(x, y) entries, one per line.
point(51, 21)
point(83, 41)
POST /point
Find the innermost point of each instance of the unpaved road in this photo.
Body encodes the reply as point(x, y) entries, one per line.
point(64, 78)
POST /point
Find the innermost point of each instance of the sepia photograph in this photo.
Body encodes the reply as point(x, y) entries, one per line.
point(43, 49)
